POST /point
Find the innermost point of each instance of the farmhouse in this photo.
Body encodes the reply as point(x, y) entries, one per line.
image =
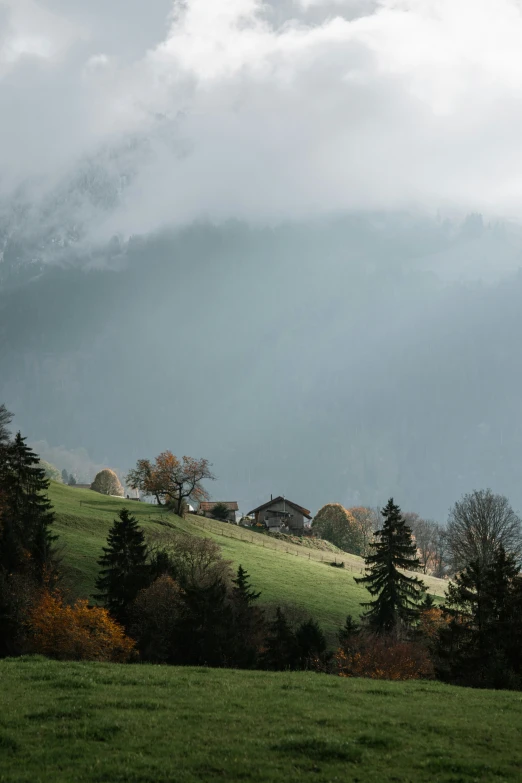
point(280, 513)
point(206, 508)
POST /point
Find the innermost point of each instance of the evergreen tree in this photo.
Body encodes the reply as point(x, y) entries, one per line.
point(348, 632)
point(123, 566)
point(204, 631)
point(481, 643)
point(65, 476)
point(248, 621)
point(397, 596)
point(26, 540)
point(311, 645)
point(280, 649)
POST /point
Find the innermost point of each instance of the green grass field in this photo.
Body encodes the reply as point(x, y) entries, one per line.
point(286, 574)
point(104, 723)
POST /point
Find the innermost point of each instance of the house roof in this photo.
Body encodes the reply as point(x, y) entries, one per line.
point(304, 511)
point(209, 505)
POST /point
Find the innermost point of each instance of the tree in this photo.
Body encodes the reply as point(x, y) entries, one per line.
point(220, 511)
point(478, 524)
point(5, 420)
point(123, 566)
point(107, 483)
point(425, 534)
point(335, 524)
point(205, 630)
point(367, 520)
point(397, 594)
point(50, 471)
point(154, 615)
point(480, 643)
point(248, 621)
point(76, 633)
point(26, 541)
point(171, 480)
point(65, 476)
point(280, 648)
point(72, 480)
point(311, 645)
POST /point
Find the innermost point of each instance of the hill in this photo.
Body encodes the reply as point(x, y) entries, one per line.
point(287, 574)
point(95, 723)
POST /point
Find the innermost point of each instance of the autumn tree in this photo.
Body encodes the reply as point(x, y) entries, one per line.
point(335, 524)
point(106, 482)
point(478, 524)
point(76, 633)
point(123, 566)
point(367, 521)
point(396, 595)
point(171, 480)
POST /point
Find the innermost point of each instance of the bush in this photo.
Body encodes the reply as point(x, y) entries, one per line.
point(76, 633)
point(383, 657)
point(107, 483)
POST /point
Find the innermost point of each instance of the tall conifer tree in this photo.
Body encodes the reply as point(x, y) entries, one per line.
point(396, 595)
point(123, 566)
point(26, 538)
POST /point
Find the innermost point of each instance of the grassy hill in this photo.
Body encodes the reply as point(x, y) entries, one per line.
point(286, 573)
point(104, 723)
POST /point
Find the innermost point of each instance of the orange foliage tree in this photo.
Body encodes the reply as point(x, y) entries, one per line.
point(335, 524)
point(76, 633)
point(170, 479)
point(366, 521)
point(383, 657)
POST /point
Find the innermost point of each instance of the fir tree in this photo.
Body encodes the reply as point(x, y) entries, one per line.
point(26, 538)
point(397, 596)
point(311, 645)
point(248, 621)
point(280, 649)
point(204, 631)
point(123, 566)
point(348, 633)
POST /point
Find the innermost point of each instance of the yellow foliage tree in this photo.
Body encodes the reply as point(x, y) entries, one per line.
point(76, 633)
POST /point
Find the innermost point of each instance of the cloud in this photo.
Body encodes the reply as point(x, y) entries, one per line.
point(243, 109)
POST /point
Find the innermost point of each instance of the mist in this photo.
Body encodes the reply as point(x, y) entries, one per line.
point(283, 236)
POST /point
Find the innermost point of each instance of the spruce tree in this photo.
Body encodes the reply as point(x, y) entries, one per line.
point(397, 596)
point(248, 621)
point(26, 538)
point(123, 566)
point(280, 648)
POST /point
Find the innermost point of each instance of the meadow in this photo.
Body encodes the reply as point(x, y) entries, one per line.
point(109, 723)
point(298, 578)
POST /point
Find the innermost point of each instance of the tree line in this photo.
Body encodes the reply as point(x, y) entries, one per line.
point(176, 600)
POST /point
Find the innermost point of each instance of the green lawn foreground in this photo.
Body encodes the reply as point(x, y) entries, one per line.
point(107, 723)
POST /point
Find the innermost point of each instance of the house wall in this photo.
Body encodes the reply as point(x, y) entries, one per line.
point(295, 522)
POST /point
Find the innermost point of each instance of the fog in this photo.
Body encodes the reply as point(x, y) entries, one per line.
point(283, 236)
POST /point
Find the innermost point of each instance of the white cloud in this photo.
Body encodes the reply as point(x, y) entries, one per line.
point(410, 103)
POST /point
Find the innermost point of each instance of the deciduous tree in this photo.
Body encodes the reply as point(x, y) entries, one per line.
point(107, 483)
point(169, 479)
point(478, 524)
point(335, 524)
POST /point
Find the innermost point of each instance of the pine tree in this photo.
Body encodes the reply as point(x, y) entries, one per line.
point(248, 621)
point(280, 650)
point(348, 632)
point(26, 538)
point(397, 595)
point(123, 566)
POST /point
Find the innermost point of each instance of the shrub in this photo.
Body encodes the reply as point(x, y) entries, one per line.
point(107, 482)
point(76, 633)
point(384, 657)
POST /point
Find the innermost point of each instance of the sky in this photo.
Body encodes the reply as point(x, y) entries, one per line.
point(265, 112)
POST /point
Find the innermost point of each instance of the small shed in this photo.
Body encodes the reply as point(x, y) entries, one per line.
point(279, 513)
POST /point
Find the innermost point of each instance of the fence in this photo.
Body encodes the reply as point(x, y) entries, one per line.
point(262, 540)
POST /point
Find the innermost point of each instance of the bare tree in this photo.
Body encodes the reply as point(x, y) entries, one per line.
point(478, 524)
point(425, 533)
point(5, 420)
point(441, 549)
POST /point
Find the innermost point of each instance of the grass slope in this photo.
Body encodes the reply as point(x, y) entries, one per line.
point(103, 723)
point(285, 573)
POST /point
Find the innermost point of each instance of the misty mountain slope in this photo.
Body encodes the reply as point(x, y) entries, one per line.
point(323, 361)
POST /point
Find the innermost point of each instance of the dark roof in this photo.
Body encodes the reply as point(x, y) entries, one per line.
point(209, 505)
point(304, 511)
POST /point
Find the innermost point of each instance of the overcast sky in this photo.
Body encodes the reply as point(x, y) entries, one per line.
point(246, 109)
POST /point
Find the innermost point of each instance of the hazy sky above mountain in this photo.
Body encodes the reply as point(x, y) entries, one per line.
point(265, 111)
